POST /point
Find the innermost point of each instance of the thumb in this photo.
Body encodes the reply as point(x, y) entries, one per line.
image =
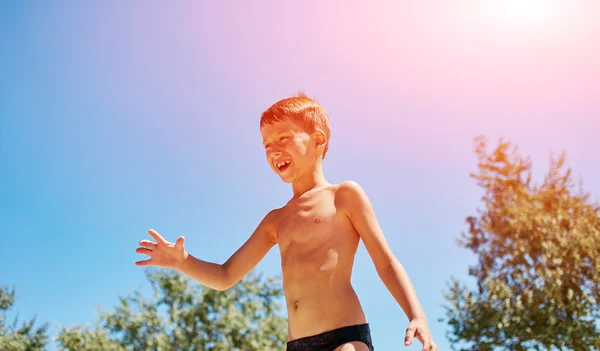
point(179, 242)
point(410, 334)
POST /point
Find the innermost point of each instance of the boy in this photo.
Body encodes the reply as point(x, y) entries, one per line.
point(318, 232)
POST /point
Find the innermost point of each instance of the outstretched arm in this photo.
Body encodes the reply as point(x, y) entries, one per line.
point(360, 212)
point(213, 275)
point(252, 251)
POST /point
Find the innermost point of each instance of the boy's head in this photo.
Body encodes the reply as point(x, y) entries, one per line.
point(295, 127)
point(301, 110)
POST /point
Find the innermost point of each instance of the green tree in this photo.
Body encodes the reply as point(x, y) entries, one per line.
point(538, 269)
point(23, 338)
point(183, 315)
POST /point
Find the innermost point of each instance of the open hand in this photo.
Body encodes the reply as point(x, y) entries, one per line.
point(417, 328)
point(162, 253)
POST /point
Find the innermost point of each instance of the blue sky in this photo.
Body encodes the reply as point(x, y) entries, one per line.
point(120, 117)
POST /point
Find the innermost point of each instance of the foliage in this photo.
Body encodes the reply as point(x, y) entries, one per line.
point(186, 316)
point(538, 270)
point(23, 338)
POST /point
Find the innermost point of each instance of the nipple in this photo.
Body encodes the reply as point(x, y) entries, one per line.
point(317, 220)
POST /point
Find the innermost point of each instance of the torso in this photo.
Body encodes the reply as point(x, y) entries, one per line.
point(318, 244)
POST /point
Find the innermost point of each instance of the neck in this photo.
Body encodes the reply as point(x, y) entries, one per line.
point(311, 180)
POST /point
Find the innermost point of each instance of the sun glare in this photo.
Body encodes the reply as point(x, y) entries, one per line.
point(525, 14)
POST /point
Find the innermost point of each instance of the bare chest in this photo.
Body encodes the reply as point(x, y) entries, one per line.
point(312, 221)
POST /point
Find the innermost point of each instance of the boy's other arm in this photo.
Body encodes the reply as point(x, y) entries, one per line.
point(239, 264)
point(360, 212)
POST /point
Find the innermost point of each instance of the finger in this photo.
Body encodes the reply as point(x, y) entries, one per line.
point(144, 251)
point(419, 337)
point(147, 243)
point(144, 263)
point(434, 347)
point(410, 334)
point(179, 242)
point(159, 239)
point(426, 345)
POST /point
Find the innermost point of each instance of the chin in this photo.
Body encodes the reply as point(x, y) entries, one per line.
point(286, 180)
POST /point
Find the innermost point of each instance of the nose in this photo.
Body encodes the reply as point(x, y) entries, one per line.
point(275, 152)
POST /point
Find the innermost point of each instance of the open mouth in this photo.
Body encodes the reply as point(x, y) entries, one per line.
point(283, 165)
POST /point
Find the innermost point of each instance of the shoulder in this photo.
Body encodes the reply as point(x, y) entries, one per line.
point(268, 225)
point(349, 189)
point(350, 195)
point(272, 217)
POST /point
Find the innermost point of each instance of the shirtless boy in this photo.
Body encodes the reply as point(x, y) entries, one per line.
point(318, 232)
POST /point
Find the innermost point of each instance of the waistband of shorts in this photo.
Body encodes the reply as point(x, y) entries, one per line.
point(361, 328)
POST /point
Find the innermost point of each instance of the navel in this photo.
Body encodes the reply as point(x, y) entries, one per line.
point(296, 305)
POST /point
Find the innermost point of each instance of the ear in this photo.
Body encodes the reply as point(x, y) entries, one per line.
point(320, 139)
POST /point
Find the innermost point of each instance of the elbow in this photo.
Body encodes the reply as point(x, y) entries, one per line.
point(380, 268)
point(225, 282)
point(222, 287)
point(390, 262)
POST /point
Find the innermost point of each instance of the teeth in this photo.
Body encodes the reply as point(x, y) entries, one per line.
point(281, 164)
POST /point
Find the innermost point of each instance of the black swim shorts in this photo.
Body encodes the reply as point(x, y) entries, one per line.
point(329, 340)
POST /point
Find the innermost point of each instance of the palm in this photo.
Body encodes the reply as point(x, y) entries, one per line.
point(162, 253)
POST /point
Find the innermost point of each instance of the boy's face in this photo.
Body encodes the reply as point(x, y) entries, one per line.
point(290, 150)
